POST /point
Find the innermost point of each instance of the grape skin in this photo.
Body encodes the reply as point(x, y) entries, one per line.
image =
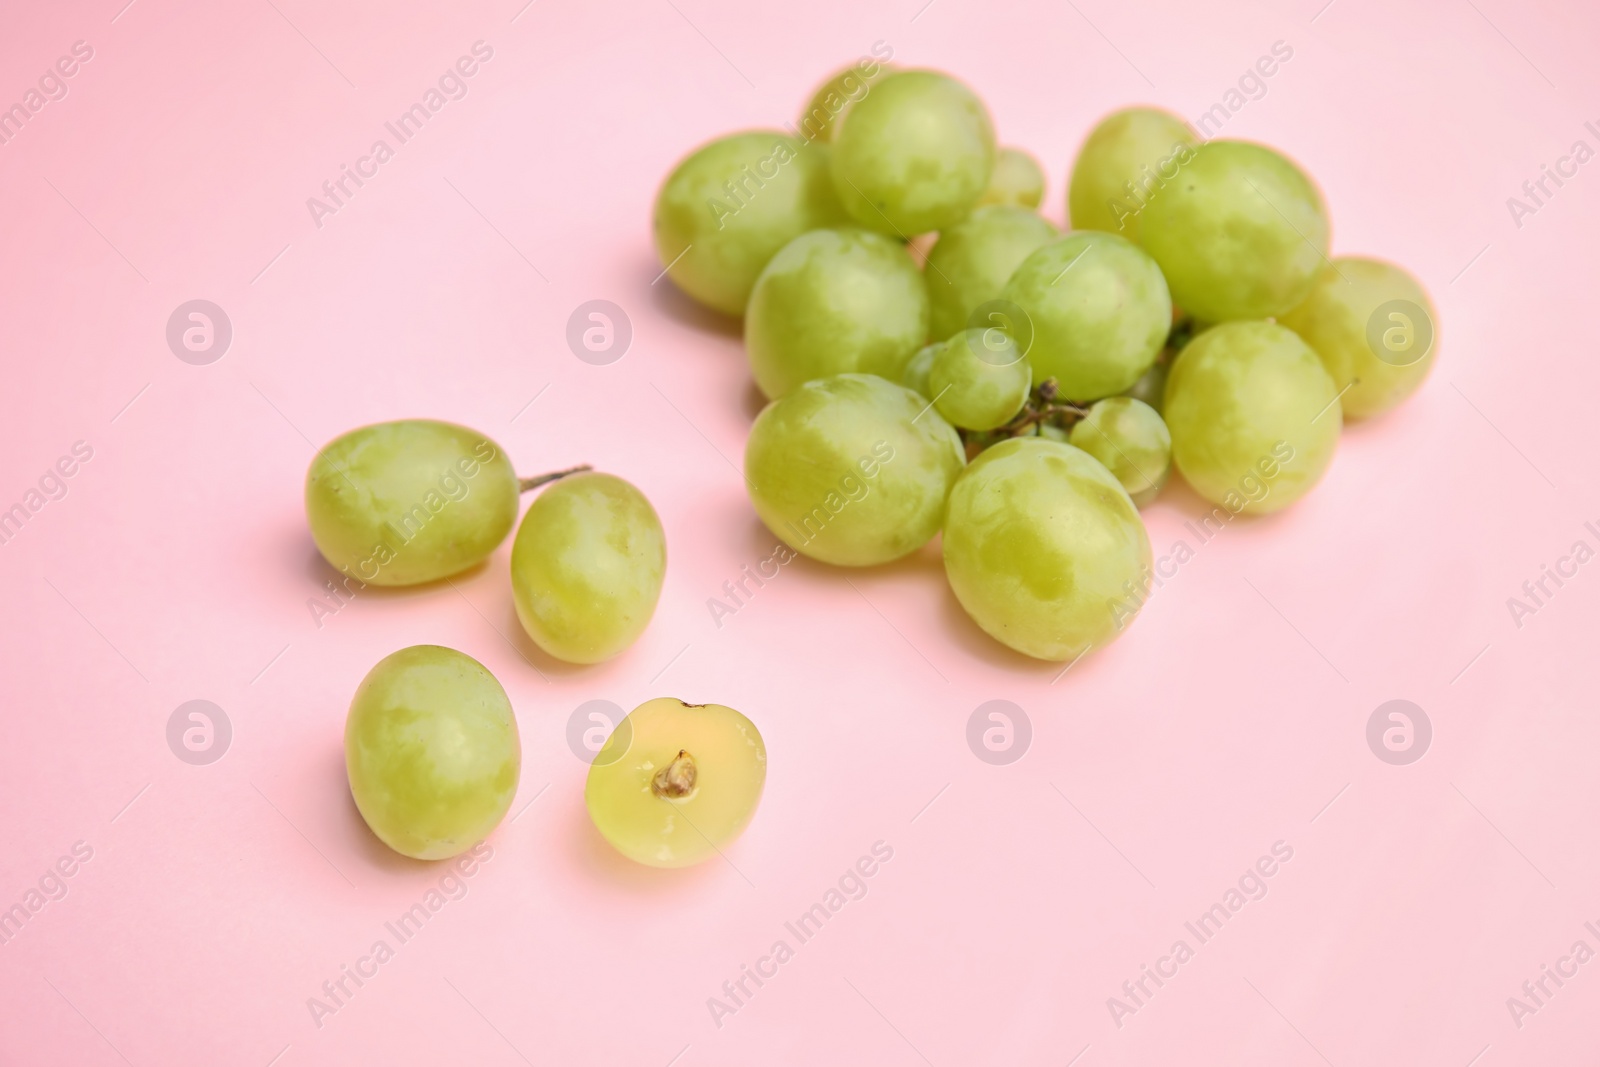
point(914, 154)
point(587, 567)
point(834, 302)
point(1100, 312)
point(1138, 145)
point(979, 379)
point(915, 376)
point(973, 260)
point(1016, 181)
point(1041, 544)
point(833, 97)
point(432, 751)
point(731, 763)
point(1129, 438)
point(1254, 416)
point(727, 208)
point(852, 470)
point(412, 501)
point(1333, 321)
point(1240, 234)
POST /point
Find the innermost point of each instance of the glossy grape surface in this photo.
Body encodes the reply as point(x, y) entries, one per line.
point(642, 817)
point(400, 503)
point(979, 379)
point(730, 206)
point(1254, 416)
point(587, 567)
point(1129, 438)
point(973, 260)
point(1042, 545)
point(833, 302)
point(1099, 311)
point(834, 96)
point(852, 470)
point(915, 376)
point(432, 751)
point(1126, 162)
point(1017, 180)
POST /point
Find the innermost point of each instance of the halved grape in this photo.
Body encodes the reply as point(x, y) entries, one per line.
point(1240, 235)
point(915, 376)
point(1127, 160)
point(1254, 416)
point(972, 261)
point(834, 96)
point(832, 302)
point(914, 154)
point(1375, 329)
point(1099, 310)
point(676, 783)
point(852, 470)
point(1017, 180)
point(1043, 548)
point(432, 751)
point(587, 566)
point(979, 379)
point(727, 208)
point(399, 503)
point(1129, 437)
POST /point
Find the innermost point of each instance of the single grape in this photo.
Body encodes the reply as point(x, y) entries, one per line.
point(1375, 329)
point(1127, 160)
point(399, 503)
point(1240, 235)
point(676, 783)
point(851, 470)
point(821, 116)
point(979, 379)
point(914, 154)
point(1254, 416)
point(725, 211)
point(915, 376)
point(586, 567)
point(832, 302)
point(1017, 180)
point(432, 751)
point(1044, 548)
point(972, 261)
point(1129, 438)
point(1099, 310)
point(1152, 385)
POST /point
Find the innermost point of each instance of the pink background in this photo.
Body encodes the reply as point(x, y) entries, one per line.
point(1232, 716)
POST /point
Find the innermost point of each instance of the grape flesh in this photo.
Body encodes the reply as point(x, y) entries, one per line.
point(1241, 234)
point(587, 567)
point(914, 154)
point(676, 783)
point(852, 470)
point(972, 261)
point(1374, 328)
point(432, 751)
point(834, 97)
point(1254, 416)
point(979, 379)
point(1017, 180)
point(1099, 310)
point(1132, 442)
point(730, 206)
point(915, 376)
point(1125, 162)
point(1043, 548)
point(400, 503)
point(834, 302)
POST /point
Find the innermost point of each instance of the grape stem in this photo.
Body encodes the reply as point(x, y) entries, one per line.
point(524, 484)
point(677, 779)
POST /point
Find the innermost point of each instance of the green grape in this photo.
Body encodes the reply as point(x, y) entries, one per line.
point(1099, 310)
point(1374, 327)
point(971, 262)
point(914, 154)
point(915, 376)
point(1152, 384)
point(726, 210)
point(979, 379)
point(1129, 437)
point(400, 503)
point(1240, 236)
point(586, 567)
point(832, 302)
point(1254, 416)
point(432, 751)
point(676, 783)
point(852, 470)
point(1044, 549)
point(1127, 160)
point(1017, 180)
point(822, 115)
